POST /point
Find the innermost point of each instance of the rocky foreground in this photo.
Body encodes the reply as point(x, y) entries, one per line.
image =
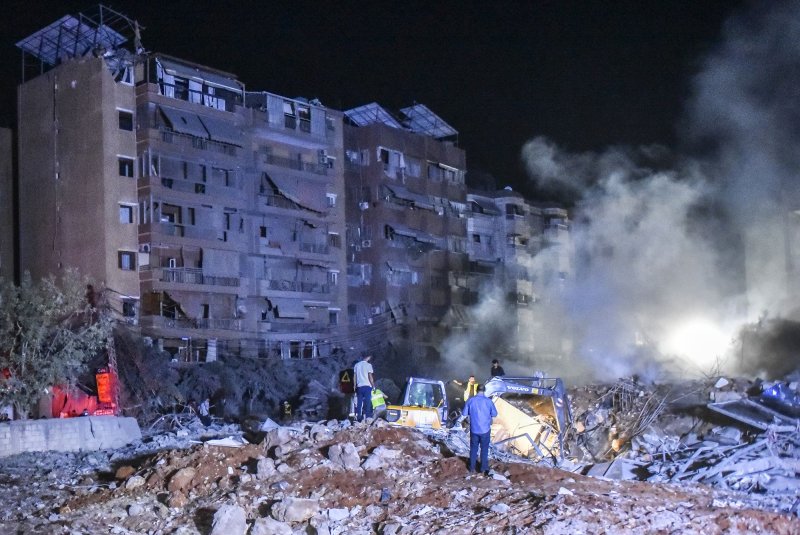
point(331, 478)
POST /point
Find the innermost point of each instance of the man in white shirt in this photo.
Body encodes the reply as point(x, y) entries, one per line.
point(364, 385)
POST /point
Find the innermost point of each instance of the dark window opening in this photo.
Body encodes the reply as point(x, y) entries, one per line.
point(125, 120)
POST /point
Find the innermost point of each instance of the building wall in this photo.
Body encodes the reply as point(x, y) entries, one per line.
point(69, 183)
point(67, 434)
point(409, 248)
point(7, 259)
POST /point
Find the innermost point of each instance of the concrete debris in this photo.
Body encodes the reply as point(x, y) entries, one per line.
point(344, 456)
point(270, 526)
point(295, 509)
point(332, 477)
point(229, 520)
point(760, 458)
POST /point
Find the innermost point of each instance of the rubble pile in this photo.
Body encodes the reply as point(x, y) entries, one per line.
point(729, 434)
point(334, 477)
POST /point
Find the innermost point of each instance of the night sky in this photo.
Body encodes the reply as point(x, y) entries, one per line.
point(585, 74)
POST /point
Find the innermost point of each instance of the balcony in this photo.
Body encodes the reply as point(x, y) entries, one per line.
point(293, 286)
point(162, 322)
point(195, 276)
point(297, 165)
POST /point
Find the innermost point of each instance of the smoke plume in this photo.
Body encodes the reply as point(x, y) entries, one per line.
point(671, 265)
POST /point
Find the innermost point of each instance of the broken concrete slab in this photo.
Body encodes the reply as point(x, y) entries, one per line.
point(752, 413)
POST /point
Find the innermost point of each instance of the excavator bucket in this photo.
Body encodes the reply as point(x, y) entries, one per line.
point(533, 414)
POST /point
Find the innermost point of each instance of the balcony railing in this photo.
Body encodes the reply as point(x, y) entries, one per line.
point(195, 276)
point(297, 165)
point(226, 324)
point(298, 286)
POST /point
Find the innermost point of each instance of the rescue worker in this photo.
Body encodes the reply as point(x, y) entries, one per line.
point(480, 410)
point(364, 385)
point(378, 403)
point(497, 370)
point(203, 412)
point(471, 388)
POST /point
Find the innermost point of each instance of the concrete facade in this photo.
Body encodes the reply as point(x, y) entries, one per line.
point(525, 251)
point(67, 434)
point(70, 187)
point(213, 217)
point(7, 203)
point(406, 237)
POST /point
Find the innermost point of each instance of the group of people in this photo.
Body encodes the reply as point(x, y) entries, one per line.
point(478, 408)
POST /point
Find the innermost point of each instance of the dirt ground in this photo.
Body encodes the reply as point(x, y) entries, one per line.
point(421, 488)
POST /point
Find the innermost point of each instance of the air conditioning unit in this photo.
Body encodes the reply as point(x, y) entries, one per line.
point(366, 243)
point(363, 205)
point(323, 156)
point(144, 247)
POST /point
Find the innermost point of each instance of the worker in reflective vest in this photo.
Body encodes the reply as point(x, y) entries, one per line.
point(378, 402)
point(470, 389)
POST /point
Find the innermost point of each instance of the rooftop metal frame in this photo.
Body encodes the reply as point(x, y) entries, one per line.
point(101, 32)
point(420, 119)
point(372, 113)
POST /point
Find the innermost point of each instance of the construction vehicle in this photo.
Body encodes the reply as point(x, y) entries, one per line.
point(533, 412)
point(540, 434)
point(424, 405)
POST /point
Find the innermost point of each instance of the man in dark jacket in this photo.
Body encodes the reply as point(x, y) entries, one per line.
point(497, 370)
point(480, 410)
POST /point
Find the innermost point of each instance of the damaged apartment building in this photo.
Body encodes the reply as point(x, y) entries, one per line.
point(524, 251)
point(406, 231)
point(213, 216)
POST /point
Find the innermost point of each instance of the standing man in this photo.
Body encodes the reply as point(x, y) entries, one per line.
point(480, 411)
point(364, 385)
point(497, 370)
point(470, 389)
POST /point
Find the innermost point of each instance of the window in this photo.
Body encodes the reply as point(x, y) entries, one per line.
point(191, 215)
point(413, 166)
point(126, 260)
point(331, 199)
point(435, 172)
point(334, 240)
point(125, 166)
point(125, 120)
point(262, 231)
point(129, 308)
point(333, 317)
point(125, 214)
point(333, 278)
point(476, 238)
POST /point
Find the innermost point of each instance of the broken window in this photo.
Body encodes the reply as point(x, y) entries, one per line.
point(304, 116)
point(125, 120)
point(125, 166)
point(126, 260)
point(476, 238)
point(413, 166)
point(434, 172)
point(129, 308)
point(289, 118)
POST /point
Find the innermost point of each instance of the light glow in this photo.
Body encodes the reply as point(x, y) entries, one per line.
point(699, 341)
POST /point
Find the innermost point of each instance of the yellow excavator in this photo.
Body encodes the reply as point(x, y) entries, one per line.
point(533, 412)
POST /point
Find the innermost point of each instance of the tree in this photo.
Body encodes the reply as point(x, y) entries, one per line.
point(48, 332)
